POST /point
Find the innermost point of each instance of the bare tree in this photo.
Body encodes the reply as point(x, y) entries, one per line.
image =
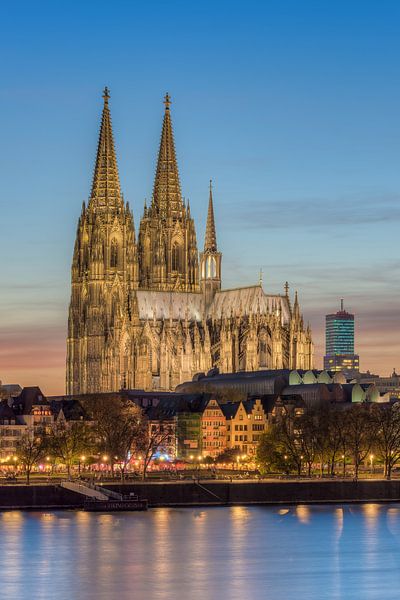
point(118, 426)
point(358, 434)
point(288, 438)
point(386, 421)
point(154, 439)
point(30, 450)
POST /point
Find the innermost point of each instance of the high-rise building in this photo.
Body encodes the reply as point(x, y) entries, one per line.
point(148, 312)
point(339, 338)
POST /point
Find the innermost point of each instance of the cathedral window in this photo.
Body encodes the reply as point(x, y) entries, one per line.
point(114, 254)
point(263, 353)
point(176, 258)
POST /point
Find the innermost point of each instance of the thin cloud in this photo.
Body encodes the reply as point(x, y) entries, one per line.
point(351, 211)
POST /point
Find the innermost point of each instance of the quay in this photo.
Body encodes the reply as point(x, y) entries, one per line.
point(206, 493)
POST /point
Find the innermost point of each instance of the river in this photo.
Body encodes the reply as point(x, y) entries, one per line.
point(239, 553)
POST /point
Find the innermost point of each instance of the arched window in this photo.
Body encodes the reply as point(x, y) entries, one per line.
point(176, 258)
point(114, 254)
point(146, 252)
point(264, 350)
point(263, 353)
point(124, 364)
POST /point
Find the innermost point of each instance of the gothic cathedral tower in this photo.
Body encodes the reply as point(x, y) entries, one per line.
point(104, 272)
point(167, 245)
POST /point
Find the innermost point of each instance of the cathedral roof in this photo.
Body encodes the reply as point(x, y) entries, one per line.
point(170, 305)
point(247, 301)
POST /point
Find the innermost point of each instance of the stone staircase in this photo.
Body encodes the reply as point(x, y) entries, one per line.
point(85, 490)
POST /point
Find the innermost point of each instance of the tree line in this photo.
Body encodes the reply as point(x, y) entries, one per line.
point(330, 438)
point(115, 428)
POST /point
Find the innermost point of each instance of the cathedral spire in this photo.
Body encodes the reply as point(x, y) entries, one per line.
point(210, 258)
point(210, 241)
point(167, 191)
point(106, 191)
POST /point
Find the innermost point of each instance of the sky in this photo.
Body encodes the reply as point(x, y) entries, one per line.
point(292, 108)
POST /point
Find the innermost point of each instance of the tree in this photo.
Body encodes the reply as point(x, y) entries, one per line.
point(336, 441)
point(288, 431)
point(153, 438)
point(310, 438)
point(358, 433)
point(30, 450)
point(386, 421)
point(118, 426)
point(229, 455)
point(271, 453)
point(67, 442)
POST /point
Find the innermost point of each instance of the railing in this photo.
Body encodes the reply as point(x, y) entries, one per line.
point(209, 492)
point(106, 491)
point(84, 489)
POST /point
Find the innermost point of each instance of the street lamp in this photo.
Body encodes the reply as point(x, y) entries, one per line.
point(286, 467)
point(344, 465)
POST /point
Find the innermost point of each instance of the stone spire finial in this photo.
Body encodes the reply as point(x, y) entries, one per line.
point(260, 278)
point(167, 101)
point(286, 289)
point(106, 95)
point(210, 241)
point(106, 191)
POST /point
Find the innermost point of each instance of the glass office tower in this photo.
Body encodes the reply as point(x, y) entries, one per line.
point(339, 347)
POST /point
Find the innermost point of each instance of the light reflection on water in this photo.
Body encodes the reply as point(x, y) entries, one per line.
point(282, 553)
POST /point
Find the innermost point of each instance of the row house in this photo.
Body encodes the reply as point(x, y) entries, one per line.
point(30, 412)
point(246, 422)
point(213, 429)
point(175, 426)
point(10, 431)
point(185, 429)
point(33, 409)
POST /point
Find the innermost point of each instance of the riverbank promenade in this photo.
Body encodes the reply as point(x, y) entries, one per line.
point(204, 492)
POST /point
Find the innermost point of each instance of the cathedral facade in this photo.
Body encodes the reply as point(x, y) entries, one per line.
point(148, 312)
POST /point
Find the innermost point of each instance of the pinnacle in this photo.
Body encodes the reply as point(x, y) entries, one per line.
point(210, 242)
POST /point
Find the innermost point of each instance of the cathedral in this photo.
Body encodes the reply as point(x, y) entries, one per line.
point(147, 311)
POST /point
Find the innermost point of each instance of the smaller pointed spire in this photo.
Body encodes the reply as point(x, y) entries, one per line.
point(260, 278)
point(296, 308)
point(286, 289)
point(210, 242)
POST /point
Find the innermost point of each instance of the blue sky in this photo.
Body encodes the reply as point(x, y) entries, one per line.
point(292, 108)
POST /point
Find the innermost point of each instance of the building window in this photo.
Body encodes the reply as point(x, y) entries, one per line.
point(175, 261)
point(114, 254)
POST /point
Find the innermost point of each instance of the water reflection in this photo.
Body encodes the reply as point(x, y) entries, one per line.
point(291, 553)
